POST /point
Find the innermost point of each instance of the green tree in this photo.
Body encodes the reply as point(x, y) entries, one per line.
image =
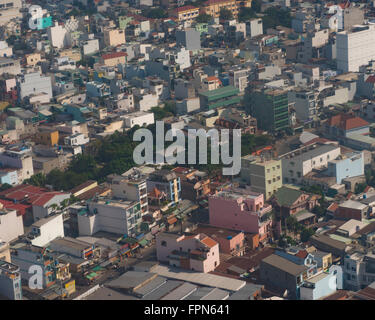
point(225, 14)
point(292, 224)
point(203, 18)
point(155, 13)
point(38, 180)
point(5, 186)
point(256, 5)
point(306, 234)
point(276, 17)
point(360, 187)
point(246, 14)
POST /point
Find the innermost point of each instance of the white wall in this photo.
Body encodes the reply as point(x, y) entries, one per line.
point(11, 226)
point(52, 229)
point(355, 49)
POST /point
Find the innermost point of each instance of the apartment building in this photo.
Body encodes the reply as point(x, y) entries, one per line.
point(165, 183)
point(271, 108)
point(355, 48)
point(241, 210)
point(263, 175)
point(186, 13)
point(115, 216)
point(305, 103)
point(359, 270)
point(213, 7)
point(131, 187)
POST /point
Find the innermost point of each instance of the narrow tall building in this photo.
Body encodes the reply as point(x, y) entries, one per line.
point(271, 109)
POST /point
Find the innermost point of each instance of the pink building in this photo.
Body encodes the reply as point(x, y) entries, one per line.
point(195, 252)
point(240, 210)
point(230, 241)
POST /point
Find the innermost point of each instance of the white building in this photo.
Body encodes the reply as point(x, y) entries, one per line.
point(5, 50)
point(46, 230)
point(11, 225)
point(297, 163)
point(117, 217)
point(48, 203)
point(77, 139)
point(19, 158)
point(139, 118)
point(58, 36)
point(132, 187)
point(182, 57)
point(359, 270)
point(11, 66)
point(254, 27)
point(305, 103)
point(35, 83)
point(355, 48)
point(146, 101)
point(90, 46)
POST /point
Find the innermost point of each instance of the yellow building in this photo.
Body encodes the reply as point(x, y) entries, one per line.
point(186, 13)
point(73, 54)
point(32, 59)
point(213, 7)
point(114, 37)
point(49, 138)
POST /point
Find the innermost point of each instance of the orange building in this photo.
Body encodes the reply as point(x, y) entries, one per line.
point(49, 138)
point(213, 7)
point(186, 13)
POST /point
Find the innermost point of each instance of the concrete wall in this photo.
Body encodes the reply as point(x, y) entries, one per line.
point(11, 226)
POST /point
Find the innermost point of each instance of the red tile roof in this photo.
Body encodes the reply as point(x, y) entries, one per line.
point(114, 55)
point(302, 254)
point(333, 207)
point(20, 208)
point(347, 122)
point(22, 191)
point(209, 242)
point(29, 194)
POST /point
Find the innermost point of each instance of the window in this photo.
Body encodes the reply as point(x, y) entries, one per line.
point(164, 243)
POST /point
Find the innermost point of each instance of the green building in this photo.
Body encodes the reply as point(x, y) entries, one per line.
point(123, 21)
point(202, 27)
point(271, 109)
point(222, 97)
